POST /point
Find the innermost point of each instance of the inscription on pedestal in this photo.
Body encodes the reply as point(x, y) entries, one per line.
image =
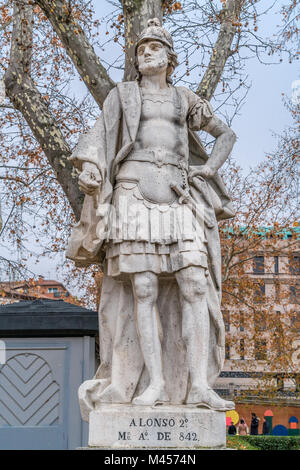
point(159, 427)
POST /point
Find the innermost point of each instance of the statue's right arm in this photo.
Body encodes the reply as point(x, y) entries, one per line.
point(86, 158)
point(89, 155)
point(90, 146)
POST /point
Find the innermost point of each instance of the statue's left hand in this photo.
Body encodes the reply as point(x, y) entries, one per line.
point(205, 171)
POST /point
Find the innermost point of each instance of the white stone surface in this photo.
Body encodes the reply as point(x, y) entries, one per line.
point(161, 330)
point(127, 426)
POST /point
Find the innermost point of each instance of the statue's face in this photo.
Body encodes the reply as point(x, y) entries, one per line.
point(152, 57)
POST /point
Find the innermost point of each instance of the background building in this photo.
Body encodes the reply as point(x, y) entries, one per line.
point(11, 292)
point(262, 366)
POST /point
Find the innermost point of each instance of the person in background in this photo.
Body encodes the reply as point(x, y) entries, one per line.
point(242, 428)
point(266, 427)
point(254, 424)
point(232, 429)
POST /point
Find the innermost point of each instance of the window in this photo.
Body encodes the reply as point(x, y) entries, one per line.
point(295, 294)
point(242, 321)
point(276, 264)
point(280, 382)
point(260, 321)
point(296, 321)
point(277, 291)
point(294, 264)
point(226, 318)
point(260, 350)
point(259, 265)
point(242, 349)
point(297, 380)
point(278, 335)
point(227, 351)
point(259, 294)
point(51, 290)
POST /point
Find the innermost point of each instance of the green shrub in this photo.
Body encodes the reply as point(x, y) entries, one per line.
point(274, 442)
point(238, 443)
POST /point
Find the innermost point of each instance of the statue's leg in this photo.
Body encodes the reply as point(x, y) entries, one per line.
point(195, 322)
point(145, 289)
point(192, 283)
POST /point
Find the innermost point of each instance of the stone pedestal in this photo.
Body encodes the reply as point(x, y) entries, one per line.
point(160, 427)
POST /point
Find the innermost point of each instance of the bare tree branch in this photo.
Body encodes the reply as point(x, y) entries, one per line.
point(78, 48)
point(229, 18)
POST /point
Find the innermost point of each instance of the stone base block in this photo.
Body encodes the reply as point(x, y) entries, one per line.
point(165, 427)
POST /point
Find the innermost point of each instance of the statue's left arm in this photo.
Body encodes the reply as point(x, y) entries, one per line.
point(225, 139)
point(201, 117)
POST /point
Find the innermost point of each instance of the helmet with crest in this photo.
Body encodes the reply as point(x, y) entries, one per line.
point(156, 32)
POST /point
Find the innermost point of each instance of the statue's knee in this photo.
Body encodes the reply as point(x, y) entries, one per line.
point(194, 288)
point(200, 287)
point(145, 287)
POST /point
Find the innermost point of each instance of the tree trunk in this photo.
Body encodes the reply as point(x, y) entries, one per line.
point(28, 100)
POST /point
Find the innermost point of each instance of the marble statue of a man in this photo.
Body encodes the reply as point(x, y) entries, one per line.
point(153, 198)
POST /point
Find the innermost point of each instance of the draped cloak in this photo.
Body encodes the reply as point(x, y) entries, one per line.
point(121, 374)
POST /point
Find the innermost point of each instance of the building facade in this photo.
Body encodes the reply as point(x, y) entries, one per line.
point(41, 288)
point(262, 323)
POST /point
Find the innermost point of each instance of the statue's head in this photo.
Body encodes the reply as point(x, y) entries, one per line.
point(154, 51)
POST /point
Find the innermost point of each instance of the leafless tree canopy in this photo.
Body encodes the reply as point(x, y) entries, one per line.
point(58, 63)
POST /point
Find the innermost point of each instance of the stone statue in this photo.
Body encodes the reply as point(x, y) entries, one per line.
point(153, 198)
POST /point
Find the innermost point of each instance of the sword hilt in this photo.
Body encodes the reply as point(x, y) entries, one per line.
point(184, 195)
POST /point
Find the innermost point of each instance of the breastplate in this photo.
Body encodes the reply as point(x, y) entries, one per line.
point(162, 123)
point(157, 159)
point(155, 171)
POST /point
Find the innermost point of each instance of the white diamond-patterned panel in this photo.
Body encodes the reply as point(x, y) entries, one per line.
point(28, 394)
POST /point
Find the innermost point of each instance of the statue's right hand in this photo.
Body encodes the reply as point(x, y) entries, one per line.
point(89, 179)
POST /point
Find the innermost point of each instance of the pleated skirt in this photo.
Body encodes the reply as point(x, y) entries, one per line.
point(145, 236)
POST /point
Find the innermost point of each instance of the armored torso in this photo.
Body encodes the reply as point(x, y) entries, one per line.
point(163, 123)
point(150, 228)
point(160, 154)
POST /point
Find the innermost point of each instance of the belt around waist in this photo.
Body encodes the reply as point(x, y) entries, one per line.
point(158, 157)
